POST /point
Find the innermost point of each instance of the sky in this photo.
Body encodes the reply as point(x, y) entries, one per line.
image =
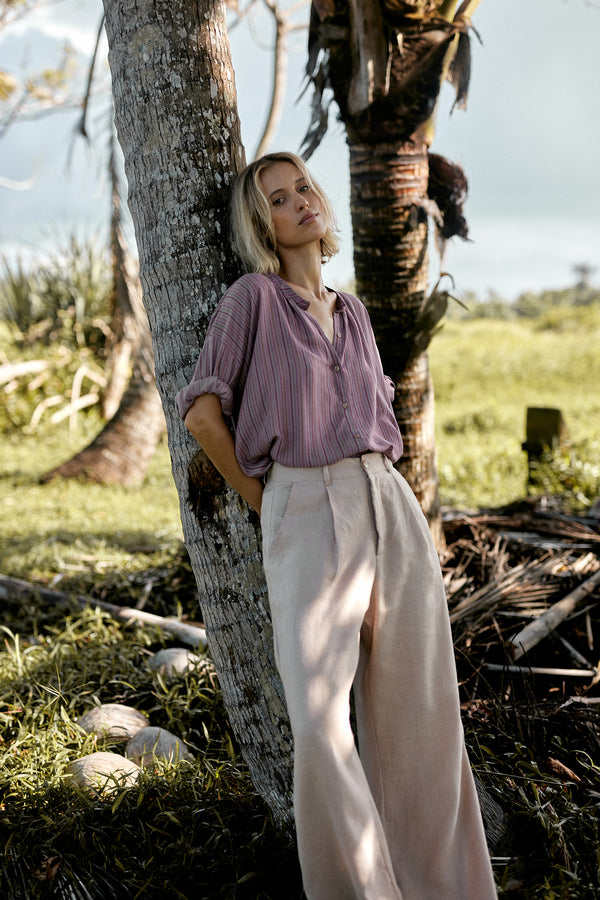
point(528, 143)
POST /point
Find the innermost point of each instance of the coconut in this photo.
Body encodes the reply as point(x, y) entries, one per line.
point(154, 743)
point(113, 721)
point(103, 772)
point(173, 660)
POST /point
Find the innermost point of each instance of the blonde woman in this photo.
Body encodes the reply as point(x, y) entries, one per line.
point(355, 588)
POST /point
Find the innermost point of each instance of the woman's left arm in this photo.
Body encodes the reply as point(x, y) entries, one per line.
point(204, 420)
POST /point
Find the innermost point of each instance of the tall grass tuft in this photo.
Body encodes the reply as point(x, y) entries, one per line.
point(65, 297)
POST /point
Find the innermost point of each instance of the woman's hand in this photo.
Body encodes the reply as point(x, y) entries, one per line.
point(204, 420)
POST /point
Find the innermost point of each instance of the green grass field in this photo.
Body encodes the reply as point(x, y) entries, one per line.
point(198, 829)
point(486, 373)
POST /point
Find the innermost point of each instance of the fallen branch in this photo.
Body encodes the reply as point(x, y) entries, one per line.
point(535, 631)
point(192, 635)
point(526, 579)
point(73, 407)
point(542, 670)
point(585, 701)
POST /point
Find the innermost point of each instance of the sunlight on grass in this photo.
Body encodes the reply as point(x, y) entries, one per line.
point(486, 373)
point(69, 523)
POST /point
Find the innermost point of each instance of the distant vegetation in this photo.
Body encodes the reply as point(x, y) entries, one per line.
point(528, 305)
point(58, 314)
point(65, 298)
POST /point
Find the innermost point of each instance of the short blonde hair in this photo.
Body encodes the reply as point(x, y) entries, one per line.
point(252, 232)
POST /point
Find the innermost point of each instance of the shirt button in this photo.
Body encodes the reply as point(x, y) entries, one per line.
point(337, 368)
point(345, 405)
point(338, 334)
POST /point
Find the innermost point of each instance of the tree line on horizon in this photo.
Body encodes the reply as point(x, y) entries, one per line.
point(74, 281)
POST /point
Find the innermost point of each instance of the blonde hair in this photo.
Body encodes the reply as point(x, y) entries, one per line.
point(252, 232)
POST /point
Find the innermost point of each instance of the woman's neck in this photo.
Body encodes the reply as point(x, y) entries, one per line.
point(304, 270)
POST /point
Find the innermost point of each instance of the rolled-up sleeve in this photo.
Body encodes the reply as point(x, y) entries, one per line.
point(198, 386)
point(224, 357)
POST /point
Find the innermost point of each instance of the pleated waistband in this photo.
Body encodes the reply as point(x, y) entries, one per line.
point(344, 468)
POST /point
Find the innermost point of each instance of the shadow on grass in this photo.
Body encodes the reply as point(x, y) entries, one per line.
point(196, 830)
point(127, 569)
point(174, 836)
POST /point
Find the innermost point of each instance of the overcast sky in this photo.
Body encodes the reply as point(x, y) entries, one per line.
point(528, 143)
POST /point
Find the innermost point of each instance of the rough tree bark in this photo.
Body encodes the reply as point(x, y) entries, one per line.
point(385, 62)
point(177, 121)
point(390, 234)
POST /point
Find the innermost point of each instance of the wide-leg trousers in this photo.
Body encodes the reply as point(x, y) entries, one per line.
point(357, 601)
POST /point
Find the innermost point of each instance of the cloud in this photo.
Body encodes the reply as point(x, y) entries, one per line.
point(515, 254)
point(75, 21)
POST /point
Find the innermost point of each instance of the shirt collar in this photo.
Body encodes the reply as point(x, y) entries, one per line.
point(291, 294)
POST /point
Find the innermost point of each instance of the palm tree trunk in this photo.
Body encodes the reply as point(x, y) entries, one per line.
point(388, 190)
point(177, 121)
point(122, 452)
point(129, 324)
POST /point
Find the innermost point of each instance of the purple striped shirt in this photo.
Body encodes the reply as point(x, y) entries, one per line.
point(294, 397)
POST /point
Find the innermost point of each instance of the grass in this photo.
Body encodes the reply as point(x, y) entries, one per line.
point(486, 373)
point(196, 829)
point(69, 525)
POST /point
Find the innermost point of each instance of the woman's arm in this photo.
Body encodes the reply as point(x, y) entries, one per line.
point(204, 420)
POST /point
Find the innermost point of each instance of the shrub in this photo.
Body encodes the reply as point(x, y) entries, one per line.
point(574, 474)
point(66, 298)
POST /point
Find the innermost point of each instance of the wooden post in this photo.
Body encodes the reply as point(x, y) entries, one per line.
point(546, 430)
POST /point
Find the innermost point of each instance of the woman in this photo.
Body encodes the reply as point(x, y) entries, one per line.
point(355, 588)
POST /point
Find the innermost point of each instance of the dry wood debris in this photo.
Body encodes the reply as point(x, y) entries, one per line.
point(523, 588)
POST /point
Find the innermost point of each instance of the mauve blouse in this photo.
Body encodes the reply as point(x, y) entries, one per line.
point(292, 395)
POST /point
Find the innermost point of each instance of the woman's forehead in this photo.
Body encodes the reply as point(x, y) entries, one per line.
point(280, 175)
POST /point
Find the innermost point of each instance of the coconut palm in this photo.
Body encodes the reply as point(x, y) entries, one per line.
point(384, 61)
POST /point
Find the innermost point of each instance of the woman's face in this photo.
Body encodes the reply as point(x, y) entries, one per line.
point(296, 211)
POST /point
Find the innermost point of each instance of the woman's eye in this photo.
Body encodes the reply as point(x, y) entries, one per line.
point(278, 201)
point(303, 188)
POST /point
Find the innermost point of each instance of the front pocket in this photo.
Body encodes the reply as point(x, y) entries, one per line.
point(278, 497)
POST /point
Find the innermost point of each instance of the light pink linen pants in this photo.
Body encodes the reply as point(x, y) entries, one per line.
point(357, 599)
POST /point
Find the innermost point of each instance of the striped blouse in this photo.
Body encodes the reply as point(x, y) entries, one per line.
point(292, 395)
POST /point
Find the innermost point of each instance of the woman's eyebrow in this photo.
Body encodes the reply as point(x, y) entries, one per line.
point(277, 190)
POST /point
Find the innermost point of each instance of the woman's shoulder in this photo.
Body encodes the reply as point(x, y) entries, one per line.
point(252, 284)
point(244, 295)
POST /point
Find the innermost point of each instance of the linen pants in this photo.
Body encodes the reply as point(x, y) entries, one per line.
point(357, 600)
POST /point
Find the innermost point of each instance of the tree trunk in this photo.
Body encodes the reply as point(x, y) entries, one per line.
point(122, 452)
point(388, 186)
point(176, 115)
point(129, 325)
